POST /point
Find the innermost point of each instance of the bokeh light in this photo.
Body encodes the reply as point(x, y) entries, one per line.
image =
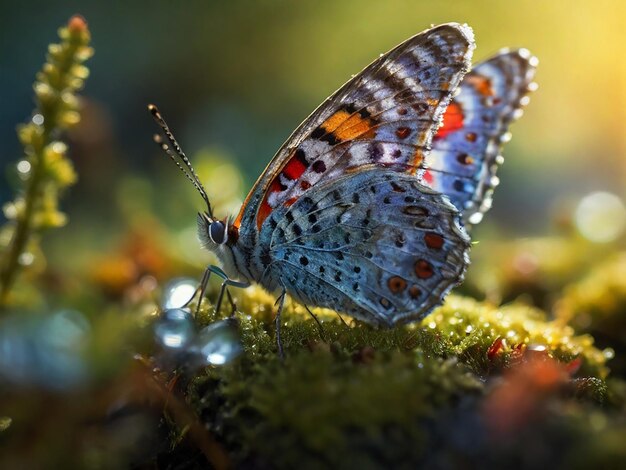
point(601, 217)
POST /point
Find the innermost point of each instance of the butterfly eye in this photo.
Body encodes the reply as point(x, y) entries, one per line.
point(217, 232)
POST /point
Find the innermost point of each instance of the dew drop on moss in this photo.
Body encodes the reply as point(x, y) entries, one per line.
point(175, 329)
point(178, 292)
point(218, 344)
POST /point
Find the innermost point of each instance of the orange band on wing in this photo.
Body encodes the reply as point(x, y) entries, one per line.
point(341, 126)
point(353, 127)
point(335, 120)
point(345, 124)
point(481, 84)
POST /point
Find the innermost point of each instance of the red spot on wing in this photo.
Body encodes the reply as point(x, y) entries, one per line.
point(424, 269)
point(452, 121)
point(294, 169)
point(433, 241)
point(428, 177)
point(265, 209)
point(403, 132)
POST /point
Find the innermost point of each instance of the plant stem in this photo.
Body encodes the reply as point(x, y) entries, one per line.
point(55, 88)
point(21, 235)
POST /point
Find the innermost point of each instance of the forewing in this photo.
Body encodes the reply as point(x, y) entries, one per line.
point(375, 244)
point(466, 150)
point(386, 115)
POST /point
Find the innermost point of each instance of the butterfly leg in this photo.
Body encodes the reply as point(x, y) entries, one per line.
point(227, 282)
point(202, 288)
point(223, 290)
point(342, 320)
point(319, 324)
point(280, 301)
point(232, 302)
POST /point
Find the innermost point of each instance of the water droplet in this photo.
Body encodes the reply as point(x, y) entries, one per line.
point(23, 167)
point(218, 343)
point(601, 217)
point(59, 147)
point(608, 353)
point(175, 329)
point(38, 119)
point(178, 292)
point(475, 218)
point(10, 210)
point(468, 329)
point(26, 259)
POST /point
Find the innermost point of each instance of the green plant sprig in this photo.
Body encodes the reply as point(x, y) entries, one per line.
point(45, 170)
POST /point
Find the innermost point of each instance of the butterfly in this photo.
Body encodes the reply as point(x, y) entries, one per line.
point(366, 207)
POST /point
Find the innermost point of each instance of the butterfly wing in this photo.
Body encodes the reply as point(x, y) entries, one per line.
point(375, 244)
point(465, 151)
point(385, 116)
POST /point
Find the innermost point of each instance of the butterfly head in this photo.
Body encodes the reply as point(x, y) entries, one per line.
point(212, 232)
point(214, 236)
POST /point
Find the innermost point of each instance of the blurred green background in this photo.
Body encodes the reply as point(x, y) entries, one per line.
point(235, 78)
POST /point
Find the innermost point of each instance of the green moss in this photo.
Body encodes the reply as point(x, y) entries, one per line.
point(356, 395)
point(471, 328)
point(462, 328)
point(324, 407)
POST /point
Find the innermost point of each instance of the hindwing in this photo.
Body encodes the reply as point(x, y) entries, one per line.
point(375, 244)
point(466, 150)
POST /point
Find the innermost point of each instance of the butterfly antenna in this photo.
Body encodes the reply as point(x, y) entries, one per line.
point(175, 152)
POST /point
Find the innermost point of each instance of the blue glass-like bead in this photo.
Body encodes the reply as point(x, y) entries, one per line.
point(218, 344)
point(178, 292)
point(175, 329)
